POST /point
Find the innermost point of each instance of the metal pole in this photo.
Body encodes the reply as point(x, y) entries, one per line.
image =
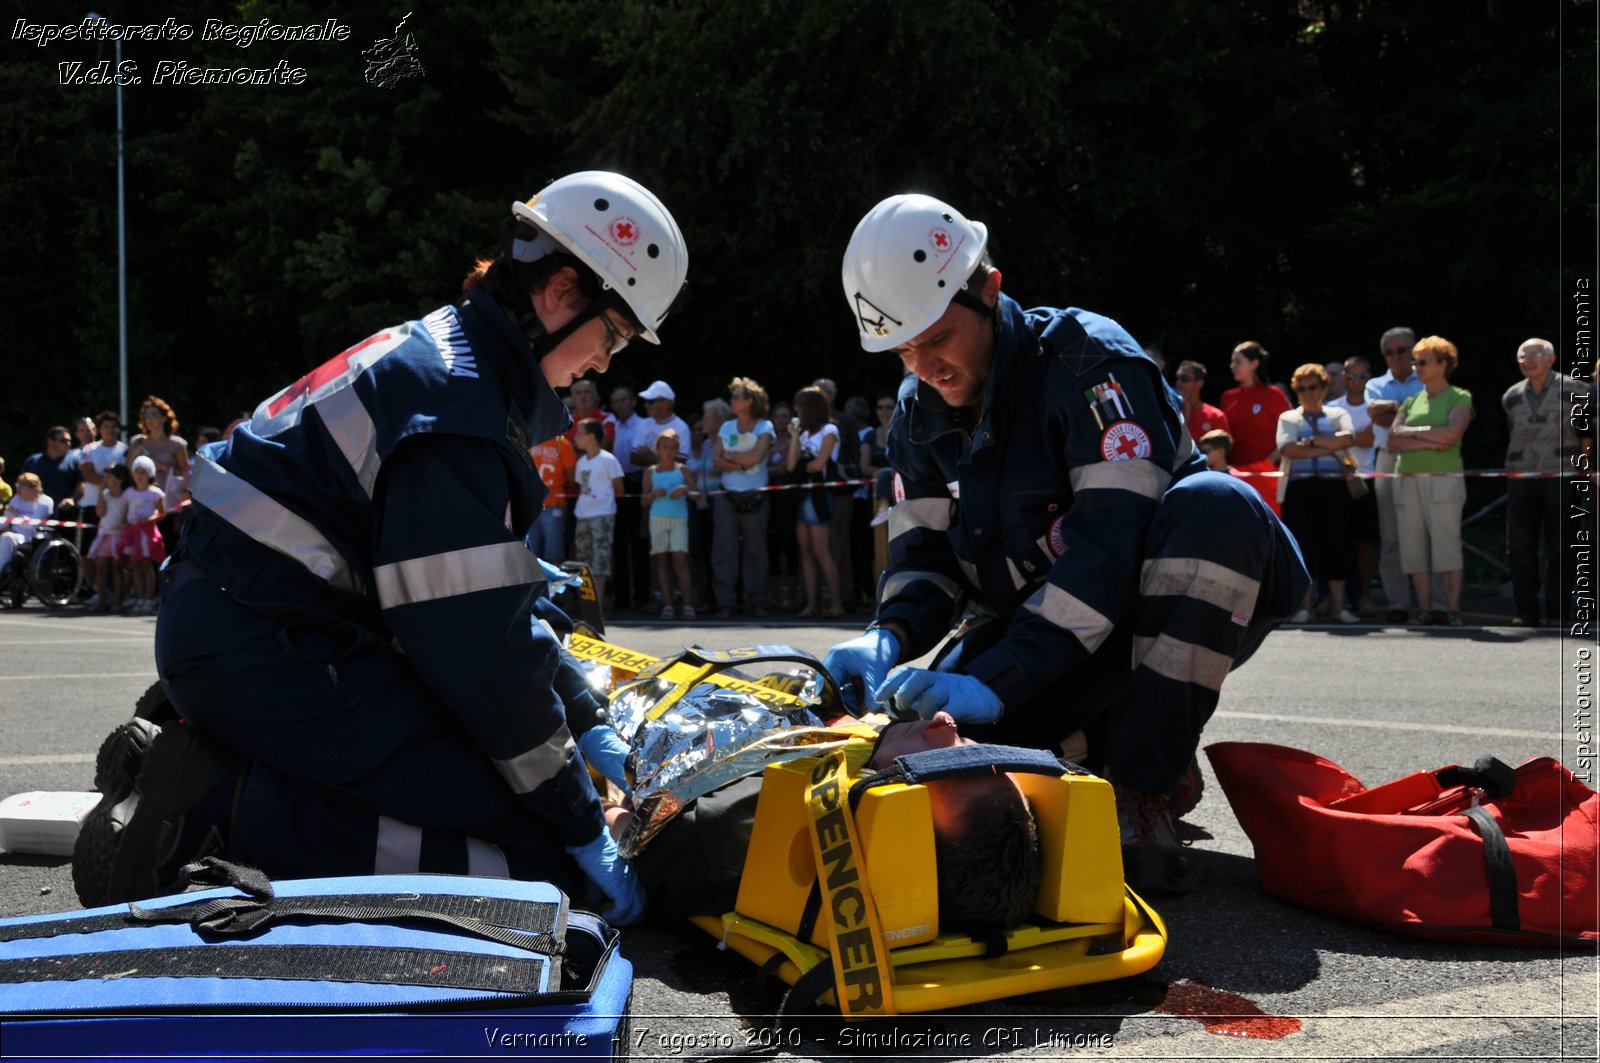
point(122, 258)
point(122, 245)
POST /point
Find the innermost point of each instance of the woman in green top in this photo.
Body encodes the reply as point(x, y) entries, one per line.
point(1427, 437)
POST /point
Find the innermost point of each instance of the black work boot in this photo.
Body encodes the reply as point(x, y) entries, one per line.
point(116, 767)
point(168, 800)
point(1153, 861)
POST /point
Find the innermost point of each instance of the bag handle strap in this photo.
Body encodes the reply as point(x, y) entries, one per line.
point(1490, 774)
point(240, 916)
point(1504, 911)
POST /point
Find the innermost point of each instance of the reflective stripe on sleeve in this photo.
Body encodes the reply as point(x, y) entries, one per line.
point(1183, 661)
point(1185, 450)
point(477, 568)
point(1203, 580)
point(899, 581)
point(531, 770)
point(1071, 613)
point(399, 848)
point(351, 427)
point(1141, 477)
point(268, 522)
point(914, 513)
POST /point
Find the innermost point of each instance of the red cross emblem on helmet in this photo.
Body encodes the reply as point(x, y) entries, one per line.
point(940, 239)
point(625, 231)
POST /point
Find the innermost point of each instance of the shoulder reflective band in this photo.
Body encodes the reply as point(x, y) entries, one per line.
point(268, 522)
point(862, 972)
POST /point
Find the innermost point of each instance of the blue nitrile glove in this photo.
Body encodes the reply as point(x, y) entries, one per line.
point(867, 657)
point(920, 691)
point(606, 753)
point(556, 577)
point(606, 868)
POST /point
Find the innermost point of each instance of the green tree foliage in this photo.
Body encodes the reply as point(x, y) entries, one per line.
point(1305, 174)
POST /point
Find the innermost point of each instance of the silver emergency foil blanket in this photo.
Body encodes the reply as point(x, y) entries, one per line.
point(708, 738)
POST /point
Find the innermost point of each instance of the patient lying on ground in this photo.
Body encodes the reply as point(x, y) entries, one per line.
point(986, 845)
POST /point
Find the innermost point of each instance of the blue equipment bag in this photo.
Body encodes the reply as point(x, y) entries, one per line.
point(382, 965)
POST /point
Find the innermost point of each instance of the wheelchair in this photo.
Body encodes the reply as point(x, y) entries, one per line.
point(48, 567)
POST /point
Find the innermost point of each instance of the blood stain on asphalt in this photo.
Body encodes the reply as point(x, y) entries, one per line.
point(1225, 1014)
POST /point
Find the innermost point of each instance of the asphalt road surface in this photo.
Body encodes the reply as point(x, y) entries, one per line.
point(1381, 702)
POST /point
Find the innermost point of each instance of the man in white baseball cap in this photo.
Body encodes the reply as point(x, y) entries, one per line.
point(658, 399)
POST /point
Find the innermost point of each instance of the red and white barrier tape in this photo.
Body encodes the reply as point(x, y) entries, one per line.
point(52, 523)
point(769, 487)
point(1485, 474)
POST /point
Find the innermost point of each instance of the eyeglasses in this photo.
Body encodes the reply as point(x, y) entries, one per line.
point(1358, 376)
point(735, 396)
point(152, 413)
point(60, 439)
point(1529, 356)
point(1395, 352)
point(615, 340)
point(1307, 387)
point(1422, 361)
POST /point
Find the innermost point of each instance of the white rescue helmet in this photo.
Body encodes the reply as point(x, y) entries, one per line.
point(619, 229)
point(907, 259)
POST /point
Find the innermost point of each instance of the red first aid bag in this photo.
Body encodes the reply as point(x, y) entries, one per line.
point(1488, 854)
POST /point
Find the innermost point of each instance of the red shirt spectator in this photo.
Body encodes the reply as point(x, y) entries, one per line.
point(1252, 408)
point(586, 403)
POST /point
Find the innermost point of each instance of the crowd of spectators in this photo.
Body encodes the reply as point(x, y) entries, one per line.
point(1367, 472)
point(120, 499)
point(759, 507)
point(768, 507)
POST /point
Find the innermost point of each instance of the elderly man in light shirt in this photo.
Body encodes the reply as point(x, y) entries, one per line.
point(1545, 411)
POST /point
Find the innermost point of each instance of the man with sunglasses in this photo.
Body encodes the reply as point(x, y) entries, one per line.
point(1363, 509)
point(1384, 395)
point(57, 467)
point(352, 613)
point(1199, 416)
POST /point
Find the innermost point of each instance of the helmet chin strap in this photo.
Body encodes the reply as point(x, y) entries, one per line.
point(972, 302)
point(544, 342)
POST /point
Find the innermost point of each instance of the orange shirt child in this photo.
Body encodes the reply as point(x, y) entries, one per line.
point(556, 461)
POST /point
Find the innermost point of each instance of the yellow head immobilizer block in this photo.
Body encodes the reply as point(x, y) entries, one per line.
point(1077, 819)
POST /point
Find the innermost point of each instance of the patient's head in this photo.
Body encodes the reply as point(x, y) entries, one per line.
point(986, 844)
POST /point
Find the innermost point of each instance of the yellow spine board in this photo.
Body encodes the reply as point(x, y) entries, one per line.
point(920, 985)
point(1082, 899)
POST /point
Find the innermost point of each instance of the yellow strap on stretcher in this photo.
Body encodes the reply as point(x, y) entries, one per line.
point(861, 966)
point(682, 676)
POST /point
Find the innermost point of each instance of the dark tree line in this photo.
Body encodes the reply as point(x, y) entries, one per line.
point(1305, 174)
